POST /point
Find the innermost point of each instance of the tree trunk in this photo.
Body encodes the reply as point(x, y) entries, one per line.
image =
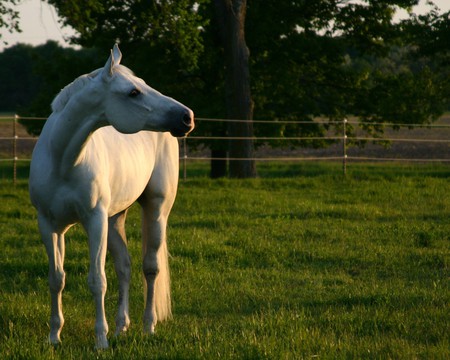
point(231, 19)
point(218, 166)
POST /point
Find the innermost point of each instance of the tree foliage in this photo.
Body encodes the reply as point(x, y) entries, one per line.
point(334, 58)
point(16, 70)
point(170, 26)
point(307, 59)
point(33, 76)
point(305, 56)
point(9, 16)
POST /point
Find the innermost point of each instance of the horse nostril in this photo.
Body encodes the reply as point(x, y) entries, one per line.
point(188, 118)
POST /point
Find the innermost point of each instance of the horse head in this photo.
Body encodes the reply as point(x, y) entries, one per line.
point(130, 105)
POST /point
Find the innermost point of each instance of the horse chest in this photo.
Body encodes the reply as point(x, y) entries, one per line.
point(63, 206)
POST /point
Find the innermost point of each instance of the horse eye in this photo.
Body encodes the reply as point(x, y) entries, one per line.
point(134, 93)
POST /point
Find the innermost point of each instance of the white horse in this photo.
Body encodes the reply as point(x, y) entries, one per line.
point(90, 164)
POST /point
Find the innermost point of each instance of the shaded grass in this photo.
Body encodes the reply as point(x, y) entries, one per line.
point(277, 268)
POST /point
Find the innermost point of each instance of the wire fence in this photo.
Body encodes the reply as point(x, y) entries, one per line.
point(415, 143)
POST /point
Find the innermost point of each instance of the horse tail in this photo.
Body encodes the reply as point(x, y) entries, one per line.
point(163, 303)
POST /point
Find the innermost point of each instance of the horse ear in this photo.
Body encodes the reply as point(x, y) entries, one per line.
point(117, 55)
point(114, 59)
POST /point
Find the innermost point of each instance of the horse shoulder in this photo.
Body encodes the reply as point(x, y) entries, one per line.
point(127, 163)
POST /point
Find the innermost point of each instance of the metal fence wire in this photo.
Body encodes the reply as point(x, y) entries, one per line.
point(11, 142)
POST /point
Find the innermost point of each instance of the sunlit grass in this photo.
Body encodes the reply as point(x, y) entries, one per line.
point(282, 268)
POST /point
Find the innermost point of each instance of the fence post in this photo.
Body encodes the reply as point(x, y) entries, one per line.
point(16, 117)
point(344, 147)
point(184, 158)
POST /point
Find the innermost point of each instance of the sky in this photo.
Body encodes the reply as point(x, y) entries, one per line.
point(39, 22)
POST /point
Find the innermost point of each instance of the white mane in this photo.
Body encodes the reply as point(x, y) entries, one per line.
point(61, 100)
point(66, 93)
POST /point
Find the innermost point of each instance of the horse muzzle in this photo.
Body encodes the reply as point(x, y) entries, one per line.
point(186, 125)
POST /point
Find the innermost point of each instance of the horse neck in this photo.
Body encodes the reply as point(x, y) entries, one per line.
point(70, 131)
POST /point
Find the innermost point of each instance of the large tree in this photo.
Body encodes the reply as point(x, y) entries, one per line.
point(230, 15)
point(171, 31)
point(306, 59)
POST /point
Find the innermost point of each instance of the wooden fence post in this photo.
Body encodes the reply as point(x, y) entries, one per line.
point(184, 158)
point(15, 158)
point(344, 147)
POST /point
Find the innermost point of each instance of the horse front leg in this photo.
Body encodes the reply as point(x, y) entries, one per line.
point(117, 246)
point(97, 229)
point(55, 247)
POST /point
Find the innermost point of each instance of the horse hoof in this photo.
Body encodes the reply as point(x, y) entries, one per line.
point(149, 329)
point(54, 340)
point(120, 330)
point(101, 343)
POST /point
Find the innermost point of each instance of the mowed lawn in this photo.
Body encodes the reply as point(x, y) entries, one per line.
point(294, 265)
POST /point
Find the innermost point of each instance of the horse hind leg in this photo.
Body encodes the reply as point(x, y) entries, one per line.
point(117, 246)
point(55, 247)
point(155, 262)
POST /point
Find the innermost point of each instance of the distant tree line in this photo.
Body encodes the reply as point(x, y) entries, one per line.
point(32, 76)
point(272, 60)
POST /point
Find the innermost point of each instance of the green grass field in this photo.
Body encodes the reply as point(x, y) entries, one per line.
point(298, 264)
